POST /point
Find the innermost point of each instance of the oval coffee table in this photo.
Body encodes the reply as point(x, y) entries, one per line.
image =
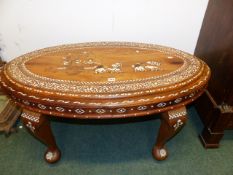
point(104, 80)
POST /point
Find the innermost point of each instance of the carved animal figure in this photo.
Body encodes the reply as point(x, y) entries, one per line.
point(115, 68)
point(153, 63)
point(100, 69)
point(151, 68)
point(138, 67)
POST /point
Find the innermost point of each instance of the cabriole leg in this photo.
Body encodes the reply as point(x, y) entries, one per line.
point(39, 126)
point(171, 123)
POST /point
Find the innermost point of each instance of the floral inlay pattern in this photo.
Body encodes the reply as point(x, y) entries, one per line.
point(162, 152)
point(49, 155)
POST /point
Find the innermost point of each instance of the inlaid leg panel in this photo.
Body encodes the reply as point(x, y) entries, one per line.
point(39, 126)
point(171, 122)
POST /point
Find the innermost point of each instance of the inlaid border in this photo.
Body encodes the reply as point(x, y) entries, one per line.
point(117, 102)
point(99, 112)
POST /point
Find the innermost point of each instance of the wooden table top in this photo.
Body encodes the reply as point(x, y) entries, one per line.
point(114, 79)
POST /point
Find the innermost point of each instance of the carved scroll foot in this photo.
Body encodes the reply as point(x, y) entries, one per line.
point(171, 122)
point(39, 126)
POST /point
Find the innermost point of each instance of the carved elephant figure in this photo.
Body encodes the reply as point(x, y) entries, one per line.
point(152, 68)
point(138, 67)
point(100, 69)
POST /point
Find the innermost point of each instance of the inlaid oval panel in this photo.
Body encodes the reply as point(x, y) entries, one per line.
point(106, 67)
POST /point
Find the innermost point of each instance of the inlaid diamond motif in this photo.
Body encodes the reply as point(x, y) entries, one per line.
point(100, 111)
point(60, 109)
point(178, 100)
point(79, 111)
point(121, 110)
point(160, 105)
point(142, 108)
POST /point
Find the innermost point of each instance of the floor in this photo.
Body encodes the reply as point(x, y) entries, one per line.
point(116, 148)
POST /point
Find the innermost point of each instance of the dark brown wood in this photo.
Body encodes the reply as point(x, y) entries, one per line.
point(215, 46)
point(105, 80)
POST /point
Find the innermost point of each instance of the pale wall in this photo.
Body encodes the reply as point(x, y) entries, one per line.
point(26, 25)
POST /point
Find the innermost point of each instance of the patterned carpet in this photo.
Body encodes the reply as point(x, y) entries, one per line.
point(116, 148)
